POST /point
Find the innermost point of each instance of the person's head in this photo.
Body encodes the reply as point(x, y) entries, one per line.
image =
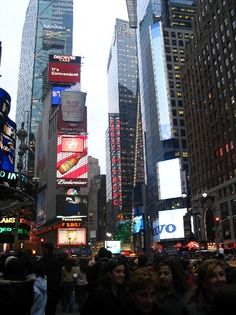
point(211, 275)
point(171, 275)
point(142, 289)
point(116, 272)
point(102, 253)
point(14, 269)
point(69, 263)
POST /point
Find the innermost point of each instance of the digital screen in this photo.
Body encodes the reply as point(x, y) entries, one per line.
point(72, 144)
point(138, 224)
point(71, 236)
point(113, 246)
point(169, 179)
point(56, 94)
point(170, 225)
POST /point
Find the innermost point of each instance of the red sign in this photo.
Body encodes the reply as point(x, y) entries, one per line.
point(64, 69)
point(115, 150)
point(72, 160)
point(72, 144)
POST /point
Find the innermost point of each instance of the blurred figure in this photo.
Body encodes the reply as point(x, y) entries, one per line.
point(210, 278)
point(142, 292)
point(109, 297)
point(40, 288)
point(81, 283)
point(96, 271)
point(68, 285)
point(16, 291)
point(53, 274)
point(172, 286)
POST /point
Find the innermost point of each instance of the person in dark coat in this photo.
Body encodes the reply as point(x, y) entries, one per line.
point(110, 296)
point(142, 293)
point(52, 267)
point(172, 286)
point(16, 291)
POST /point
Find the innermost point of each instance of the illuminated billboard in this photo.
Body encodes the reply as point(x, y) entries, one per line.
point(7, 145)
point(71, 236)
point(72, 160)
point(169, 179)
point(72, 126)
point(7, 229)
point(64, 69)
point(170, 225)
point(137, 224)
point(56, 94)
point(73, 105)
point(113, 246)
point(115, 153)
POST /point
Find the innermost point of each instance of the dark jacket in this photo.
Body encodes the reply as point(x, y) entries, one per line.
point(172, 303)
point(16, 297)
point(132, 310)
point(103, 301)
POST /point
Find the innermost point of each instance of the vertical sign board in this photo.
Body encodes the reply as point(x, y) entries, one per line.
point(115, 150)
point(72, 160)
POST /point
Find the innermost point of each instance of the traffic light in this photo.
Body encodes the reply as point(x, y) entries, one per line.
point(217, 220)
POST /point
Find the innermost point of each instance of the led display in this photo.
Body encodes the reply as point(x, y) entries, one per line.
point(138, 224)
point(113, 246)
point(71, 236)
point(169, 179)
point(170, 225)
point(64, 69)
point(72, 160)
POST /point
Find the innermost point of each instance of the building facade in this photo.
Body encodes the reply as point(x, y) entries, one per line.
point(48, 30)
point(123, 144)
point(209, 98)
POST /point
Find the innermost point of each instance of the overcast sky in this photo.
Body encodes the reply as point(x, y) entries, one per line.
point(93, 29)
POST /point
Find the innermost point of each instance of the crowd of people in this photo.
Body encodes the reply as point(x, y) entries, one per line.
point(165, 285)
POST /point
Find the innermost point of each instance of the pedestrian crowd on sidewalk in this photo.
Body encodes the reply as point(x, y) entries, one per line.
point(107, 285)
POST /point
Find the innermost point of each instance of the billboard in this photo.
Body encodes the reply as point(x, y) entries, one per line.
point(170, 225)
point(56, 94)
point(72, 127)
point(72, 160)
point(113, 246)
point(73, 105)
point(7, 229)
point(68, 205)
point(137, 224)
point(7, 145)
point(71, 236)
point(115, 153)
point(64, 69)
point(169, 179)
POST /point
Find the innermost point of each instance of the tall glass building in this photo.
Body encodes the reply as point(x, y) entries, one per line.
point(48, 29)
point(163, 28)
point(124, 123)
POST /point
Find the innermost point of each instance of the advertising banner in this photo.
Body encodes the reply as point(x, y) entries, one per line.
point(7, 229)
point(7, 145)
point(71, 236)
point(170, 225)
point(73, 105)
point(64, 69)
point(56, 94)
point(72, 160)
point(70, 127)
point(115, 152)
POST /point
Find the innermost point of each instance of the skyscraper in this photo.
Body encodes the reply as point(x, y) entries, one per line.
point(122, 142)
point(210, 107)
point(48, 30)
point(163, 28)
